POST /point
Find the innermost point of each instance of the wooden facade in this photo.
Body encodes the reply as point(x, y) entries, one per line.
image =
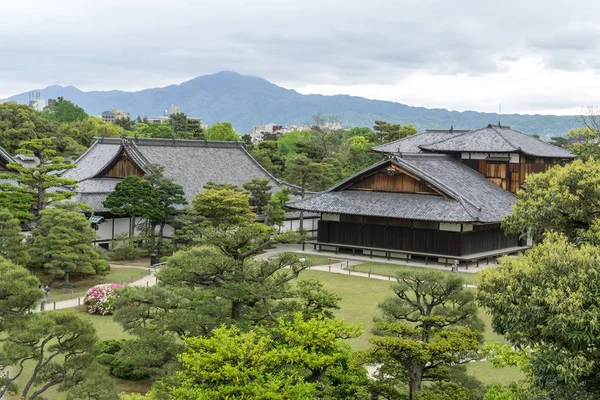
point(392, 179)
point(418, 240)
point(122, 167)
point(507, 175)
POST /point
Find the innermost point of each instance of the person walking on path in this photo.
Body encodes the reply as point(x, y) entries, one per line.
point(455, 267)
point(45, 291)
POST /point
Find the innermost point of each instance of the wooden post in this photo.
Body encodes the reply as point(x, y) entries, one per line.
point(478, 262)
point(79, 301)
point(131, 279)
point(467, 262)
point(55, 305)
point(369, 272)
point(371, 255)
point(147, 284)
point(337, 249)
point(330, 268)
point(426, 260)
point(446, 261)
point(303, 243)
point(155, 280)
point(389, 277)
point(353, 249)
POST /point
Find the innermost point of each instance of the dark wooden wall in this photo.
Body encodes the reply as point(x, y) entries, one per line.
point(122, 168)
point(510, 176)
point(394, 181)
point(413, 239)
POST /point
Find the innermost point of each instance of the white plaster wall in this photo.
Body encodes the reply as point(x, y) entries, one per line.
point(104, 231)
point(121, 225)
point(514, 158)
point(467, 227)
point(330, 217)
point(449, 227)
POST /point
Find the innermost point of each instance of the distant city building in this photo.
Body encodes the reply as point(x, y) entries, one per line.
point(173, 109)
point(36, 101)
point(52, 102)
point(259, 131)
point(114, 114)
point(156, 120)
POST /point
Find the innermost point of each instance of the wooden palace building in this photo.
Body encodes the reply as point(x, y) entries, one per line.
point(189, 163)
point(440, 194)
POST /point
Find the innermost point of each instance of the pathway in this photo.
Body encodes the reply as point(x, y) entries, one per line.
point(148, 280)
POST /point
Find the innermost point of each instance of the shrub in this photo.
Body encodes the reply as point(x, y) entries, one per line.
point(291, 237)
point(106, 354)
point(125, 247)
point(100, 299)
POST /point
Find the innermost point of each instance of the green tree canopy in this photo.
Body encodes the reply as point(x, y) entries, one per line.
point(12, 244)
point(222, 131)
point(547, 301)
point(58, 347)
point(64, 111)
point(259, 193)
point(290, 361)
point(19, 123)
point(224, 206)
point(563, 199)
point(41, 182)
point(19, 291)
point(62, 245)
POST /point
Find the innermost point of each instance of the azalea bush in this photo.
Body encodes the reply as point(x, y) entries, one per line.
point(101, 298)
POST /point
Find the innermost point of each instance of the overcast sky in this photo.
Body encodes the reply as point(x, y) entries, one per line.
point(531, 56)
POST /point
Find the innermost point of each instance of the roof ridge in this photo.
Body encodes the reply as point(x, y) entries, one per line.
point(130, 146)
point(503, 137)
point(424, 146)
point(538, 139)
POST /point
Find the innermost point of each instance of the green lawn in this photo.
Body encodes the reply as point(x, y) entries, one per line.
point(485, 372)
point(391, 269)
point(81, 285)
point(317, 260)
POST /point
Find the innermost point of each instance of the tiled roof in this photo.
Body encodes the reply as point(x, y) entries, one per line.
point(411, 144)
point(491, 139)
point(471, 197)
point(190, 163)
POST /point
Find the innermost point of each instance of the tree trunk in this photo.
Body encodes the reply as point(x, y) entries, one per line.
point(236, 310)
point(41, 201)
point(416, 379)
point(67, 282)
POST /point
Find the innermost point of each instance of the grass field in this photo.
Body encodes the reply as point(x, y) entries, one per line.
point(391, 269)
point(81, 285)
point(318, 260)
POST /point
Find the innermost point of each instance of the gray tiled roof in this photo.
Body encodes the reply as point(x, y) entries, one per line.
point(471, 197)
point(190, 163)
point(491, 139)
point(411, 144)
point(498, 139)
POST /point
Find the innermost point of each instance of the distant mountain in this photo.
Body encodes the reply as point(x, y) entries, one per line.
point(246, 101)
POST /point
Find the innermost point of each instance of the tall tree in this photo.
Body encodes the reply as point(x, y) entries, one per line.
point(386, 132)
point(12, 244)
point(58, 347)
point(222, 131)
point(168, 195)
point(430, 325)
point(19, 292)
point(546, 301)
point(19, 123)
point(563, 199)
point(259, 191)
point(38, 181)
point(224, 206)
point(64, 111)
point(134, 197)
point(62, 245)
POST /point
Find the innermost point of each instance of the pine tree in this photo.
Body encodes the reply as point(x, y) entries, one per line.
point(61, 244)
point(11, 240)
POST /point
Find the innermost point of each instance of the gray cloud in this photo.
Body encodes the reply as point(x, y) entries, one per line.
point(133, 43)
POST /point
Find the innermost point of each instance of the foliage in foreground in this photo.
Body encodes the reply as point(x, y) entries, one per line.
point(547, 301)
point(428, 327)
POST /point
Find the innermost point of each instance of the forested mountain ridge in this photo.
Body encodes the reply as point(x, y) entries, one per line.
point(246, 101)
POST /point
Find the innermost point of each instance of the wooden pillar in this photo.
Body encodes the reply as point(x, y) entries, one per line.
point(371, 254)
point(353, 251)
point(426, 260)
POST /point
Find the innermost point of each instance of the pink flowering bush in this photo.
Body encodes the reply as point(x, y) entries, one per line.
point(101, 298)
